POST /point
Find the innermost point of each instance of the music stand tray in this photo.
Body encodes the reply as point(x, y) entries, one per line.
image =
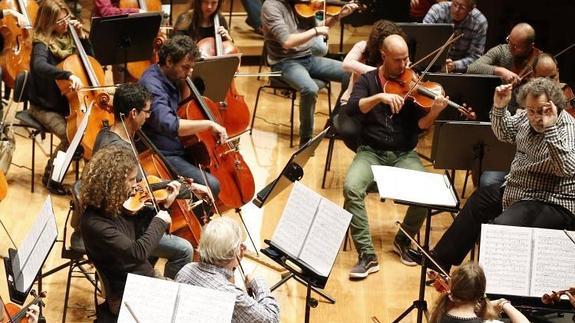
point(423, 39)
point(466, 145)
point(125, 38)
point(292, 171)
point(216, 74)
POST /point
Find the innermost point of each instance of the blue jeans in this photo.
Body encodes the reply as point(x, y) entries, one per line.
point(253, 9)
point(186, 169)
point(492, 177)
point(300, 73)
point(176, 250)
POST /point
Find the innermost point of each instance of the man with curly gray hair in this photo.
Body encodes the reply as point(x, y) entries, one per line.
point(221, 250)
point(540, 188)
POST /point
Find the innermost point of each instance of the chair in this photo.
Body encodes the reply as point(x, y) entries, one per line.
point(73, 253)
point(277, 83)
point(21, 94)
point(103, 312)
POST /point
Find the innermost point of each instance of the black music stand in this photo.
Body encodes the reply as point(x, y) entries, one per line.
point(423, 39)
point(292, 171)
point(125, 38)
point(469, 145)
point(474, 90)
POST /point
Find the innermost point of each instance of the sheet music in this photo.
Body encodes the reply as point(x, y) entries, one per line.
point(62, 161)
point(154, 300)
point(35, 247)
point(413, 186)
point(553, 261)
point(325, 236)
point(505, 256)
point(298, 214)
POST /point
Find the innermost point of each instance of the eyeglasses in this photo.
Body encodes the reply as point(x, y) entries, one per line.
point(63, 20)
point(148, 112)
point(514, 46)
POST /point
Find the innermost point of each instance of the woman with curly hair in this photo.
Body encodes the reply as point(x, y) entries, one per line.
point(118, 243)
point(466, 301)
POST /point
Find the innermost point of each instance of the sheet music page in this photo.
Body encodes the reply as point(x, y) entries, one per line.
point(34, 249)
point(553, 261)
point(505, 256)
point(325, 236)
point(150, 299)
point(413, 186)
point(296, 219)
point(62, 161)
point(203, 305)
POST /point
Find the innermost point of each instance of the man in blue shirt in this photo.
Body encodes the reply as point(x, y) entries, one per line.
point(164, 127)
point(467, 20)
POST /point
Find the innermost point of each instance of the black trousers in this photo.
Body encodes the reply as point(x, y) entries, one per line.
point(484, 206)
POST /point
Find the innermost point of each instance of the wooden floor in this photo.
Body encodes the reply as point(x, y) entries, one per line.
point(384, 294)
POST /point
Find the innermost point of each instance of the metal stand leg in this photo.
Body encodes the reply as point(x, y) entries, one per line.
point(323, 294)
point(239, 212)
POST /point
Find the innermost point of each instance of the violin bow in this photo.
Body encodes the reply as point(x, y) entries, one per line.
point(446, 274)
point(144, 178)
point(210, 193)
point(449, 42)
point(420, 78)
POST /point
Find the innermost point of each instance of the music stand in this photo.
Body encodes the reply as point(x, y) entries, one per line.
point(472, 89)
point(216, 75)
point(469, 145)
point(292, 171)
point(125, 38)
point(423, 39)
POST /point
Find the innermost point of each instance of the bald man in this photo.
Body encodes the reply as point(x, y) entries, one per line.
point(545, 65)
point(390, 130)
point(509, 60)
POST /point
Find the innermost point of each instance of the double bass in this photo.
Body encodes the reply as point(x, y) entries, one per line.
point(234, 110)
point(91, 74)
point(17, 39)
point(222, 159)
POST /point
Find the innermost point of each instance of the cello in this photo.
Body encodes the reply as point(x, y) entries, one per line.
point(91, 73)
point(17, 39)
point(234, 110)
point(222, 159)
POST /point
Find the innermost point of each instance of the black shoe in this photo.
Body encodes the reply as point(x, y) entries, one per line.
point(55, 187)
point(404, 255)
point(366, 264)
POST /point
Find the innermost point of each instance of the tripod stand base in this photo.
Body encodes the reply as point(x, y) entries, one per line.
point(420, 306)
point(325, 296)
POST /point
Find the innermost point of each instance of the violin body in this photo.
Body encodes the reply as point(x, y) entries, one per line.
point(17, 40)
point(11, 310)
point(102, 111)
point(185, 223)
point(146, 5)
point(309, 8)
point(222, 160)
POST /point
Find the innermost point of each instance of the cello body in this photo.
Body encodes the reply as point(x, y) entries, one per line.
point(17, 39)
point(221, 159)
point(90, 73)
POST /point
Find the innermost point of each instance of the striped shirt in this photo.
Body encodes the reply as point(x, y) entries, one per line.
point(471, 45)
point(262, 308)
point(544, 165)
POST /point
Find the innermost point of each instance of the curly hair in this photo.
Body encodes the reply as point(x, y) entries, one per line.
point(467, 286)
point(130, 96)
point(103, 179)
point(177, 48)
point(381, 29)
point(542, 85)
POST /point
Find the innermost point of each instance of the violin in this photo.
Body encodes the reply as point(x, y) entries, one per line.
point(14, 314)
point(439, 281)
point(3, 186)
point(234, 110)
point(17, 39)
point(310, 8)
point(91, 74)
point(158, 186)
point(143, 5)
point(422, 94)
point(555, 297)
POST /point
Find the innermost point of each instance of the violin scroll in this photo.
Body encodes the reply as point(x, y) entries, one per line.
point(555, 296)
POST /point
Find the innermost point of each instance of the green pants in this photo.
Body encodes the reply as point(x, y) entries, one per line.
point(358, 179)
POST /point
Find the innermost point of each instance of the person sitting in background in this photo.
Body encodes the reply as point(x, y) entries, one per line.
point(465, 301)
point(221, 251)
point(467, 20)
